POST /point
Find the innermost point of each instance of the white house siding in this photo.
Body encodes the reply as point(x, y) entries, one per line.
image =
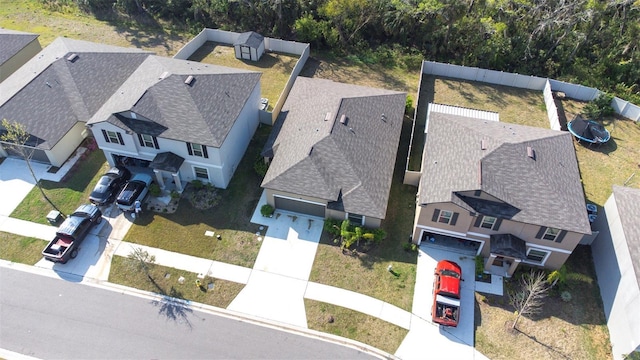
point(67, 145)
point(617, 281)
point(237, 141)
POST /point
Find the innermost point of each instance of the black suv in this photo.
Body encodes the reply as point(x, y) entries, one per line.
point(109, 185)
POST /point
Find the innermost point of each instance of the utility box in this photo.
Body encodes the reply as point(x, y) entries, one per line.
point(54, 217)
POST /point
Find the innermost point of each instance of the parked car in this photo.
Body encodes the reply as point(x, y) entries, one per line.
point(446, 294)
point(71, 233)
point(109, 185)
point(136, 189)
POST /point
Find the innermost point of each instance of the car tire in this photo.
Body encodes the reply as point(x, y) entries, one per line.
point(98, 220)
point(74, 253)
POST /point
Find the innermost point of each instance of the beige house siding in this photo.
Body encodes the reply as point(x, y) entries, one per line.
point(19, 59)
point(464, 228)
point(67, 145)
point(369, 222)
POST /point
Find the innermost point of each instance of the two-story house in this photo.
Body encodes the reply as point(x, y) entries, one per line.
point(509, 193)
point(185, 120)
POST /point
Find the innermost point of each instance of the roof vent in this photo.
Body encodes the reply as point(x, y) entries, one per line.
point(483, 144)
point(72, 57)
point(164, 75)
point(383, 117)
point(343, 119)
point(189, 80)
point(327, 117)
point(531, 153)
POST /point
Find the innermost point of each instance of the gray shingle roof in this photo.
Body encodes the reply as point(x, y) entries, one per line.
point(201, 113)
point(546, 191)
point(628, 204)
point(11, 42)
point(324, 159)
point(50, 94)
point(250, 38)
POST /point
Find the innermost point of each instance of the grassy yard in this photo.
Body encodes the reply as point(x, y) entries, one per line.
point(68, 194)
point(516, 106)
point(275, 68)
point(20, 249)
point(354, 325)
point(184, 230)
point(165, 282)
point(563, 330)
point(68, 21)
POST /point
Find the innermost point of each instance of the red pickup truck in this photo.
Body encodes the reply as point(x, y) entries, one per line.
point(446, 293)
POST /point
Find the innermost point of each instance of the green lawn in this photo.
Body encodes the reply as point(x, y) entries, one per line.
point(20, 249)
point(68, 194)
point(183, 231)
point(354, 325)
point(164, 280)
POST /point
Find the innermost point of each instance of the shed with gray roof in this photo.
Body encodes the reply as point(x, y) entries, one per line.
point(17, 48)
point(249, 46)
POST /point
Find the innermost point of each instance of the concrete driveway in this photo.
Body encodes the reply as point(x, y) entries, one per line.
point(16, 182)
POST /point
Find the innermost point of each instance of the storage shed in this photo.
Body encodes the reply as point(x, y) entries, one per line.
point(249, 46)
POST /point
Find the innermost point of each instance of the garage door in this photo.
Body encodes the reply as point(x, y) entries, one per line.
point(299, 206)
point(38, 155)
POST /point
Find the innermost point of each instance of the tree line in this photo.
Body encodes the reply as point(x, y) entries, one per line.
point(590, 42)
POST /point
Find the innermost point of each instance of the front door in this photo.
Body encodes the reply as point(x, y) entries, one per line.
point(498, 261)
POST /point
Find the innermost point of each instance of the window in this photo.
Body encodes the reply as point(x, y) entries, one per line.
point(537, 256)
point(148, 141)
point(201, 173)
point(112, 137)
point(445, 216)
point(551, 234)
point(356, 219)
point(488, 222)
point(197, 150)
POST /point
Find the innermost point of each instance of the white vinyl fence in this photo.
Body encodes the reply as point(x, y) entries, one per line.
point(301, 50)
point(572, 91)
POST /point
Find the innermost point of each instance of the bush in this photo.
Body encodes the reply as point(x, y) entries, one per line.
point(410, 247)
point(267, 210)
point(260, 166)
point(408, 107)
point(479, 265)
point(332, 227)
point(565, 296)
point(175, 194)
point(599, 107)
point(197, 184)
point(154, 189)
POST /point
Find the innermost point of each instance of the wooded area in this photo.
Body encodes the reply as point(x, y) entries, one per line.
point(589, 42)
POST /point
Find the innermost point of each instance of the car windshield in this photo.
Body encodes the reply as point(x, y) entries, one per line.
point(104, 181)
point(450, 273)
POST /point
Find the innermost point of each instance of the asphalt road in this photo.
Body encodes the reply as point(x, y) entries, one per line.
point(54, 319)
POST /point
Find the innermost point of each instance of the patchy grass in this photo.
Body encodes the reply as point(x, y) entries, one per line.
point(68, 194)
point(165, 282)
point(563, 330)
point(183, 231)
point(516, 106)
point(325, 65)
point(20, 249)
point(366, 273)
point(354, 325)
point(275, 68)
point(108, 28)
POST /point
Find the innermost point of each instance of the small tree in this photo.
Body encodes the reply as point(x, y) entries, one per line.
point(15, 137)
point(528, 299)
point(141, 260)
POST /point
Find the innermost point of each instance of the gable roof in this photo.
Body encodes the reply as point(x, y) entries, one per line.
point(628, 205)
point(317, 155)
point(250, 38)
point(51, 93)
point(12, 42)
point(544, 189)
point(201, 112)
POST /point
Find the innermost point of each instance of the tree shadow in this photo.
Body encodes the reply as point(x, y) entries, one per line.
point(548, 347)
point(174, 307)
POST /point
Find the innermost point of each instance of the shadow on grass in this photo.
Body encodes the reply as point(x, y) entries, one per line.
point(548, 347)
point(606, 148)
point(174, 307)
